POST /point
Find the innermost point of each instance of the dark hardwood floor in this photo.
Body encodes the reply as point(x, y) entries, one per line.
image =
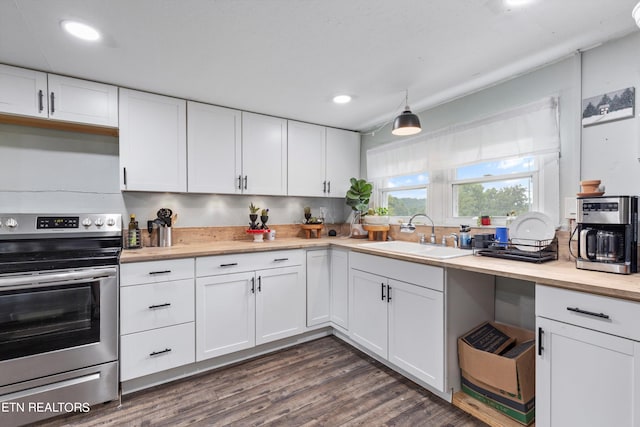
point(320, 383)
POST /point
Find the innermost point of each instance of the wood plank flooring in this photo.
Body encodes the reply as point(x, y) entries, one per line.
point(325, 382)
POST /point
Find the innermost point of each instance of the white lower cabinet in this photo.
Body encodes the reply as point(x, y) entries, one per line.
point(157, 329)
point(400, 321)
point(588, 363)
point(238, 310)
point(328, 287)
point(339, 304)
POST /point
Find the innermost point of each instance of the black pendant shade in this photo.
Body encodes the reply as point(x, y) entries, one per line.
point(406, 123)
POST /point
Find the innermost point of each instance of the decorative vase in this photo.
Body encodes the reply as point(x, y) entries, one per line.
point(253, 218)
point(264, 219)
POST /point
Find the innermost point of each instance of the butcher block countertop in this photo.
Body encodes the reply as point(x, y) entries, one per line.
point(559, 273)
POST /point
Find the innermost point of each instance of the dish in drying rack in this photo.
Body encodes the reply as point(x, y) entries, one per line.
point(529, 229)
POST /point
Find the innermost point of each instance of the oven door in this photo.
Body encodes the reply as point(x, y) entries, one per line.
point(57, 321)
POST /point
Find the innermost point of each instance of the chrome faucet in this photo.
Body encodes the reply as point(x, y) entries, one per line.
point(410, 228)
point(454, 236)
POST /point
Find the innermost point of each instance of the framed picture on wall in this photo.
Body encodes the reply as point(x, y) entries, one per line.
point(615, 105)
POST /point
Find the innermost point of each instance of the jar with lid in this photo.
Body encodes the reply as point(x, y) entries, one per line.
point(465, 237)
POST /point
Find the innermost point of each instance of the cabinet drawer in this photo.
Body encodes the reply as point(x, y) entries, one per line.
point(427, 276)
point(238, 263)
point(156, 305)
point(156, 271)
point(589, 311)
point(157, 350)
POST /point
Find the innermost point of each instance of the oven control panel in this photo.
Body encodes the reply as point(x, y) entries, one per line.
point(65, 225)
point(57, 222)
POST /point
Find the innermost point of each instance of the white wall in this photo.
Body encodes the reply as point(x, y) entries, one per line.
point(610, 150)
point(50, 171)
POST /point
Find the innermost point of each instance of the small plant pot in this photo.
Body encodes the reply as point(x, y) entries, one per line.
point(264, 219)
point(253, 218)
point(376, 219)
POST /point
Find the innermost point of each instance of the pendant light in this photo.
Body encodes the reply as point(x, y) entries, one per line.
point(406, 123)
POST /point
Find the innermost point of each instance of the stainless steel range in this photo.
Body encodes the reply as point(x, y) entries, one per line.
point(58, 313)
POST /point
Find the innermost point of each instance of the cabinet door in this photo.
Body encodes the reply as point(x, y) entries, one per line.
point(340, 288)
point(416, 331)
point(318, 287)
point(280, 303)
point(343, 160)
point(586, 378)
point(23, 92)
point(153, 142)
point(225, 314)
point(306, 159)
point(214, 157)
point(82, 101)
point(368, 311)
point(264, 155)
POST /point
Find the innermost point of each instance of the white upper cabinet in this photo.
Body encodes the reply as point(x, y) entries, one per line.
point(214, 153)
point(153, 142)
point(23, 92)
point(343, 160)
point(264, 155)
point(81, 101)
point(36, 94)
point(321, 160)
point(307, 159)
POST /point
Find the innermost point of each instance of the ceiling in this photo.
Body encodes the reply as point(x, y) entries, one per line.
point(289, 58)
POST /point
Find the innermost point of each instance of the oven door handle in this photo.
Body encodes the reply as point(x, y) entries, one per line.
point(59, 279)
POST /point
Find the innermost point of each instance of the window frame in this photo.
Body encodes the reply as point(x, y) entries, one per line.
point(382, 194)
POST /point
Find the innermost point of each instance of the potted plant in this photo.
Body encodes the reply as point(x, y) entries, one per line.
point(307, 214)
point(253, 216)
point(264, 217)
point(377, 216)
point(358, 197)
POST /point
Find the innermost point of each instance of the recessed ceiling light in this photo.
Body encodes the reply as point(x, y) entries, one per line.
point(341, 99)
point(80, 30)
point(517, 3)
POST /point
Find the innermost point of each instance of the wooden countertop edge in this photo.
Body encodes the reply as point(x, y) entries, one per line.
point(561, 274)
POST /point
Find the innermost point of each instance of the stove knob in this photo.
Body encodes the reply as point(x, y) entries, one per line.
point(99, 222)
point(12, 223)
point(111, 222)
point(86, 222)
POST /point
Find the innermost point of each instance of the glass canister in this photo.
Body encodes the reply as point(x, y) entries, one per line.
point(465, 237)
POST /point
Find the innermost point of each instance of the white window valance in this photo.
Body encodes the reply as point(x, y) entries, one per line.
point(526, 130)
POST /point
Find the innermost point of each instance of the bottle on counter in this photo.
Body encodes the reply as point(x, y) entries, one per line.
point(465, 237)
point(134, 232)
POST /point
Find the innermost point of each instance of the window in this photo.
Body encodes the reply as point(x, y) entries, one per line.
point(494, 188)
point(405, 195)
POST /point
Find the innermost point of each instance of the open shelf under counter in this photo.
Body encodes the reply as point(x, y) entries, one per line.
point(483, 412)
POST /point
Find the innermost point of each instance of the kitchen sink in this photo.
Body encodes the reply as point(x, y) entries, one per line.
point(412, 248)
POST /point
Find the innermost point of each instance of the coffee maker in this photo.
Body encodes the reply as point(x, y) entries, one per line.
point(608, 234)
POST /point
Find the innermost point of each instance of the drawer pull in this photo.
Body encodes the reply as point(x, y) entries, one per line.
point(280, 259)
point(157, 353)
point(231, 264)
point(589, 313)
point(160, 272)
point(166, 304)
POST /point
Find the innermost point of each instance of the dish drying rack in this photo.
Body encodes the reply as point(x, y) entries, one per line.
point(537, 251)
